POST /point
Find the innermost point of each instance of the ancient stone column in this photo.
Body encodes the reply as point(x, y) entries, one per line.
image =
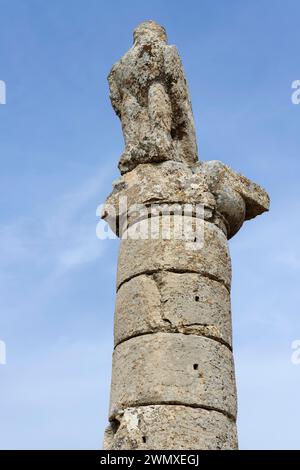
point(173, 381)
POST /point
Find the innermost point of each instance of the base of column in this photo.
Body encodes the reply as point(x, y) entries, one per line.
point(171, 427)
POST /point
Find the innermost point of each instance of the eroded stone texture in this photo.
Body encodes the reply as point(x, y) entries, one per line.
point(173, 383)
point(207, 256)
point(220, 177)
point(224, 193)
point(163, 182)
point(138, 308)
point(173, 368)
point(170, 427)
point(173, 302)
point(149, 93)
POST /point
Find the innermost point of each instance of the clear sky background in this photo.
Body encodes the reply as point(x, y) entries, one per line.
point(59, 145)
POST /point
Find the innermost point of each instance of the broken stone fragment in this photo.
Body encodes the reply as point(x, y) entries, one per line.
point(173, 368)
point(170, 427)
point(173, 302)
point(220, 177)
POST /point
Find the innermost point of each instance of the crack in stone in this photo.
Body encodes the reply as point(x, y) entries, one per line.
point(181, 328)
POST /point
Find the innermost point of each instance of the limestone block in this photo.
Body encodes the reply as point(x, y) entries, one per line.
point(232, 206)
point(173, 368)
point(163, 427)
point(173, 302)
point(208, 255)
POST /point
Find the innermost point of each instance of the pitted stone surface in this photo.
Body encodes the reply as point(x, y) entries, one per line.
point(208, 256)
point(222, 178)
point(168, 183)
point(224, 193)
point(170, 427)
point(173, 302)
point(163, 182)
point(173, 368)
point(149, 93)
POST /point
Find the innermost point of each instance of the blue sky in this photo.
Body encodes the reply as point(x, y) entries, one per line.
point(60, 143)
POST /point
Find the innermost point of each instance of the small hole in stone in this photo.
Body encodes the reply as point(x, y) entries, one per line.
point(197, 298)
point(195, 239)
point(195, 366)
point(115, 424)
point(144, 439)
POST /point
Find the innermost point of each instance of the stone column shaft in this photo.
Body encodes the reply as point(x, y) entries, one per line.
point(173, 381)
point(173, 366)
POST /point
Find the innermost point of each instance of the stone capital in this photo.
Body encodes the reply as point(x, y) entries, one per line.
point(228, 197)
